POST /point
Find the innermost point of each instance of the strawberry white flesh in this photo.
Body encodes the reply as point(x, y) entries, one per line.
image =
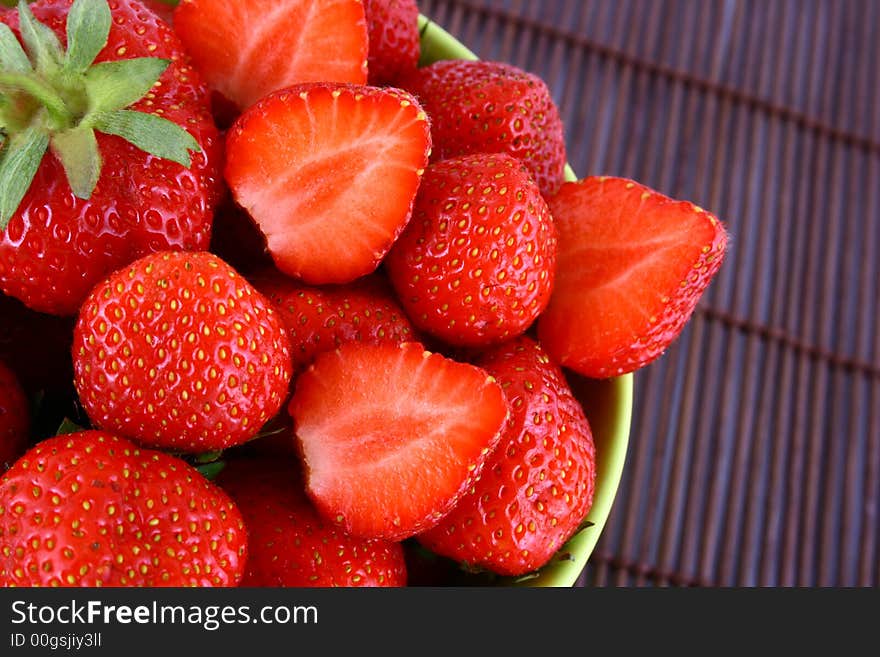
point(632, 265)
point(329, 173)
point(392, 436)
point(246, 50)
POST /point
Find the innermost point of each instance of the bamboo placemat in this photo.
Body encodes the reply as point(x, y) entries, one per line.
point(755, 448)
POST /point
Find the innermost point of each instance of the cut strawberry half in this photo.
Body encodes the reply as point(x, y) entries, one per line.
point(392, 436)
point(246, 50)
point(631, 267)
point(329, 173)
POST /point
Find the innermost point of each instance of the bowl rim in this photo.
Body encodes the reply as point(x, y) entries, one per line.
point(564, 569)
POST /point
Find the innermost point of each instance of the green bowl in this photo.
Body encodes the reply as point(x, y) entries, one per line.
point(607, 404)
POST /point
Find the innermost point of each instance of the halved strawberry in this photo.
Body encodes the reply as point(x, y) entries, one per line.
point(329, 173)
point(246, 50)
point(392, 436)
point(632, 265)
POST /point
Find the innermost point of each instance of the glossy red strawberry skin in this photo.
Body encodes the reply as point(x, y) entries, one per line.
point(56, 246)
point(320, 319)
point(14, 418)
point(91, 509)
point(633, 264)
point(178, 351)
point(477, 262)
point(395, 46)
point(392, 435)
point(329, 173)
point(492, 107)
point(538, 485)
point(247, 50)
point(290, 545)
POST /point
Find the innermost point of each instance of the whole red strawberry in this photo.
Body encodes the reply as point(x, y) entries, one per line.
point(537, 486)
point(109, 149)
point(476, 263)
point(91, 509)
point(490, 107)
point(320, 319)
point(14, 418)
point(290, 545)
point(632, 266)
point(178, 351)
point(395, 46)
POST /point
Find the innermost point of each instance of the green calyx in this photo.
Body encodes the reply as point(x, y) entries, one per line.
point(56, 99)
point(68, 427)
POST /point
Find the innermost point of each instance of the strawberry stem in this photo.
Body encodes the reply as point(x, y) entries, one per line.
point(57, 97)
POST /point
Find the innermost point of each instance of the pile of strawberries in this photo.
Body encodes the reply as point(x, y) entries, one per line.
point(263, 243)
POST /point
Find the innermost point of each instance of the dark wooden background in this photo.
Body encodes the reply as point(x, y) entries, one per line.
point(755, 448)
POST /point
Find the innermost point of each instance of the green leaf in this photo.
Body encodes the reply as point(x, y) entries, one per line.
point(77, 150)
point(115, 85)
point(19, 161)
point(88, 28)
point(68, 427)
point(150, 133)
point(211, 470)
point(42, 45)
point(12, 56)
point(44, 93)
point(208, 457)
